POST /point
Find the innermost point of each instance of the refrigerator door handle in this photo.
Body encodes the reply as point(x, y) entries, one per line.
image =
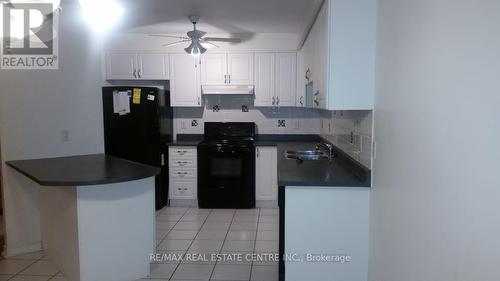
point(163, 159)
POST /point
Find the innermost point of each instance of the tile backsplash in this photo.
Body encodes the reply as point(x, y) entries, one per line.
point(238, 108)
point(351, 131)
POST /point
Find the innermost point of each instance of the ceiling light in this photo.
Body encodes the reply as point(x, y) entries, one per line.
point(101, 15)
point(195, 48)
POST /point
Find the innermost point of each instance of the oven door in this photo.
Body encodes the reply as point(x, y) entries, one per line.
point(226, 176)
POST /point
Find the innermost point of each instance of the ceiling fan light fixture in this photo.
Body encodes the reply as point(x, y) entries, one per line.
point(195, 49)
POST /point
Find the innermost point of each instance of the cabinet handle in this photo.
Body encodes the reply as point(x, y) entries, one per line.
point(302, 100)
point(258, 152)
point(139, 73)
point(225, 78)
point(199, 101)
point(182, 163)
point(274, 100)
point(135, 75)
point(229, 79)
point(182, 152)
point(277, 100)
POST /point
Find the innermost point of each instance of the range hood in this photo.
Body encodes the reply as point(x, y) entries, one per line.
point(227, 90)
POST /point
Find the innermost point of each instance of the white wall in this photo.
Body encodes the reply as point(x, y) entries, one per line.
point(35, 106)
point(436, 196)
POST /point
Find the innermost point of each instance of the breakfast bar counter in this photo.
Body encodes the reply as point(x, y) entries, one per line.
point(91, 208)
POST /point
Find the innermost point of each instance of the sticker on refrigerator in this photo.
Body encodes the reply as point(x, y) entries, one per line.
point(151, 97)
point(136, 98)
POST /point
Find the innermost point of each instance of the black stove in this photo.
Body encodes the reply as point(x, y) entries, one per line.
point(226, 166)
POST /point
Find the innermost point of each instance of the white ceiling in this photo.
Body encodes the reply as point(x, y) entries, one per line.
point(219, 16)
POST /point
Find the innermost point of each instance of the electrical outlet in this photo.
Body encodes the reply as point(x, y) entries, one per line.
point(65, 135)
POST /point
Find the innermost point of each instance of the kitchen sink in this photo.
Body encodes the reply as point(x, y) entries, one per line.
point(301, 155)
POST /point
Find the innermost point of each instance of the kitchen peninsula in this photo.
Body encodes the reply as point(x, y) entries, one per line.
point(91, 207)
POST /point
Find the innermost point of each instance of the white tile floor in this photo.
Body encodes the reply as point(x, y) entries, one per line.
point(187, 231)
point(184, 232)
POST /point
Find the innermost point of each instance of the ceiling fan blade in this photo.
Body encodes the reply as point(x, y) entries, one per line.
point(210, 43)
point(216, 39)
point(169, 36)
point(175, 43)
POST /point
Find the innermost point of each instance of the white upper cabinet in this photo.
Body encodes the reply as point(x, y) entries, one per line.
point(121, 66)
point(339, 53)
point(286, 75)
point(266, 173)
point(185, 88)
point(214, 69)
point(133, 66)
point(352, 43)
point(275, 79)
point(153, 66)
point(240, 69)
point(227, 69)
point(264, 79)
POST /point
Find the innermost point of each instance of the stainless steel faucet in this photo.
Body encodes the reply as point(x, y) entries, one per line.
point(326, 148)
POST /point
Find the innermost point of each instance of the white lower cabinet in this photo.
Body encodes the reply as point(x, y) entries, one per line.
point(183, 174)
point(328, 227)
point(266, 173)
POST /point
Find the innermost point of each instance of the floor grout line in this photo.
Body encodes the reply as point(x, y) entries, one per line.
point(255, 242)
point(223, 242)
point(192, 241)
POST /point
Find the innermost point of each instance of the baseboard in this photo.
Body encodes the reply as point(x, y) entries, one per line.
point(183, 203)
point(266, 204)
point(11, 252)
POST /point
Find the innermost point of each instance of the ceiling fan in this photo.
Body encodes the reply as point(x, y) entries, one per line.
point(196, 38)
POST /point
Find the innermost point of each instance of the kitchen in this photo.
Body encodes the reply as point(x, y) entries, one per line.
point(301, 132)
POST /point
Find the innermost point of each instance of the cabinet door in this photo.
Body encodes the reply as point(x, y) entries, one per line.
point(320, 57)
point(185, 89)
point(264, 79)
point(240, 69)
point(214, 69)
point(286, 75)
point(266, 173)
point(153, 67)
point(121, 66)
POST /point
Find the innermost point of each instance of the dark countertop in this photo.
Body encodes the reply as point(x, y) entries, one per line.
point(82, 170)
point(186, 140)
point(340, 172)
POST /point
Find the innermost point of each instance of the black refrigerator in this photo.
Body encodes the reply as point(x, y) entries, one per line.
point(137, 126)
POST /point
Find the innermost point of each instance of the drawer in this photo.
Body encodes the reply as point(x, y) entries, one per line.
point(179, 162)
point(179, 151)
point(183, 189)
point(183, 174)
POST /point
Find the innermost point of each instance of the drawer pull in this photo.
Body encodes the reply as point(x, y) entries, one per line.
point(182, 163)
point(182, 152)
